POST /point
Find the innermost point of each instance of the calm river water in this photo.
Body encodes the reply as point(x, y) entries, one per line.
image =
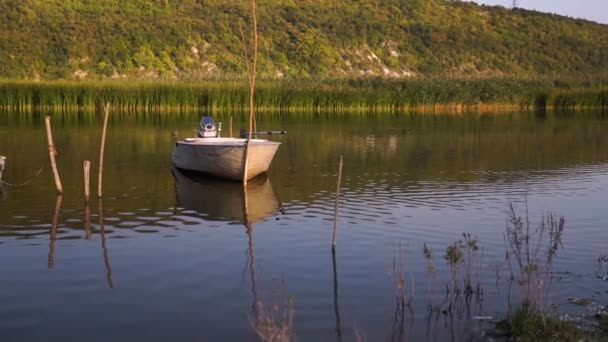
point(170, 258)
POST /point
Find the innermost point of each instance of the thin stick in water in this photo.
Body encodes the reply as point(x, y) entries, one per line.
point(102, 150)
point(335, 235)
point(52, 154)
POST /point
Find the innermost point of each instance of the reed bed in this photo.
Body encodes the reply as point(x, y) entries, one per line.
point(290, 97)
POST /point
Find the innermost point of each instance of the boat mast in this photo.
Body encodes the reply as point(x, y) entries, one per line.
point(252, 78)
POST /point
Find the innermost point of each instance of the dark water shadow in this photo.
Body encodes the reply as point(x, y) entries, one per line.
point(223, 200)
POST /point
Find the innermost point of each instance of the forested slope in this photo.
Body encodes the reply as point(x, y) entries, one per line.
point(201, 39)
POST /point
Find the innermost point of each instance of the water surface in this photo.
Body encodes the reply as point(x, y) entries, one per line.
point(169, 255)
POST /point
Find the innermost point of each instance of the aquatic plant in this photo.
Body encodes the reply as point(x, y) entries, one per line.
point(528, 323)
point(529, 256)
point(464, 253)
point(294, 97)
point(397, 275)
point(274, 317)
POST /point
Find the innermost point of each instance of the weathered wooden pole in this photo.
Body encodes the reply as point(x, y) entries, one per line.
point(102, 150)
point(86, 167)
point(52, 154)
point(335, 235)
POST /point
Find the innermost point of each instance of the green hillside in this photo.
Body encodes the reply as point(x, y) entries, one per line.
point(201, 39)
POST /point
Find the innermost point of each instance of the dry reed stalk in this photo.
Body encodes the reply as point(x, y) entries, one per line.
point(335, 233)
point(52, 154)
point(102, 150)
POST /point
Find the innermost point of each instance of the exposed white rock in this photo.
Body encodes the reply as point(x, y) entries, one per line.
point(80, 74)
point(194, 51)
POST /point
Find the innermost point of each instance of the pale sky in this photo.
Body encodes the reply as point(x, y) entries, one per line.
point(596, 10)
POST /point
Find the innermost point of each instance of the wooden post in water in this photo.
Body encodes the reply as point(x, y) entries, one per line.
point(86, 166)
point(102, 150)
point(52, 154)
point(2, 165)
point(335, 235)
point(87, 210)
point(231, 126)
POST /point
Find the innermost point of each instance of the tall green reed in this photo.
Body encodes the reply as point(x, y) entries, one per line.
point(290, 97)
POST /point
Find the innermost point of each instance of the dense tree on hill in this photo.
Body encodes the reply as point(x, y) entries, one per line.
point(196, 39)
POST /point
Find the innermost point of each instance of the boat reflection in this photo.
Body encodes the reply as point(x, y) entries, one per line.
point(224, 200)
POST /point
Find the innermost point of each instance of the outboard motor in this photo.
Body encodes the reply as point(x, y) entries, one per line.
point(207, 128)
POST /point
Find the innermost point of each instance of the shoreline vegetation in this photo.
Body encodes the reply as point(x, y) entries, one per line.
point(356, 96)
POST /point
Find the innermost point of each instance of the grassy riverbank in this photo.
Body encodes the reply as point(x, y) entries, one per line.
point(331, 97)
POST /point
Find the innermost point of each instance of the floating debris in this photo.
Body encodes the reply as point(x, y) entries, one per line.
point(580, 301)
point(602, 277)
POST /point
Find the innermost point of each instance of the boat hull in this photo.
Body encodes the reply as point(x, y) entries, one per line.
point(224, 157)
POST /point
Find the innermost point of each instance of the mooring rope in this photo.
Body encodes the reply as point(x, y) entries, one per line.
point(24, 183)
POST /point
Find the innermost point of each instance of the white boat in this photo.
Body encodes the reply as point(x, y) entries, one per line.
point(223, 157)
